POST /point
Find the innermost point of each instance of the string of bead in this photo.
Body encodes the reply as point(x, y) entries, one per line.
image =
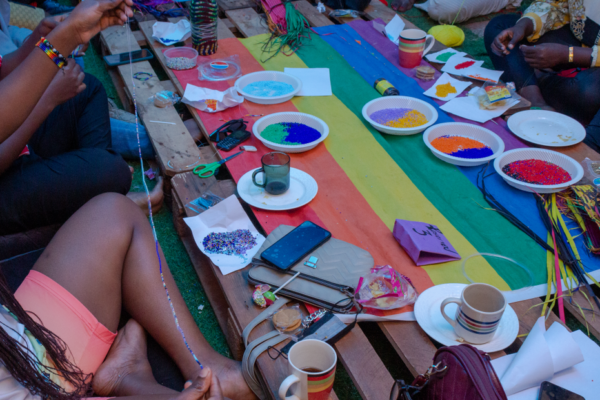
point(137, 130)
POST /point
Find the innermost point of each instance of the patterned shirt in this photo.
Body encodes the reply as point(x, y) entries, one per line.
point(581, 15)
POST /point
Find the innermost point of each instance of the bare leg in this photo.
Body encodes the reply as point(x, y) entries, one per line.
point(156, 197)
point(105, 256)
point(534, 95)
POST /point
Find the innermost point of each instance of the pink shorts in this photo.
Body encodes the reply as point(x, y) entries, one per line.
point(87, 339)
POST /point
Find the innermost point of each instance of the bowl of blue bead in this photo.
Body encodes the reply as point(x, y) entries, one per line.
point(463, 144)
point(290, 132)
point(268, 87)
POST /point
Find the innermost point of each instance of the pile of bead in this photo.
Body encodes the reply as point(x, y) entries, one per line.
point(537, 172)
point(399, 117)
point(463, 147)
point(268, 89)
point(444, 90)
point(180, 63)
point(290, 133)
point(235, 243)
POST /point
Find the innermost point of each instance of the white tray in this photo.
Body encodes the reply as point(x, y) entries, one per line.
point(546, 128)
point(247, 79)
point(297, 117)
point(400, 102)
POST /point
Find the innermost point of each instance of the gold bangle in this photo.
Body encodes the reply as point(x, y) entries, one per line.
point(571, 54)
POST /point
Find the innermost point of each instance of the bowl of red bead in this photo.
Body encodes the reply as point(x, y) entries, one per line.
point(538, 170)
point(462, 144)
point(399, 115)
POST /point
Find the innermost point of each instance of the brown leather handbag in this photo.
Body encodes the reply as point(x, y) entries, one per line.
point(458, 373)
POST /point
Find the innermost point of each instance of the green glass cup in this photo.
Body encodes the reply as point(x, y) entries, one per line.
point(276, 170)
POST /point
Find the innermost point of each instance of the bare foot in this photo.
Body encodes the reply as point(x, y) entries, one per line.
point(233, 382)
point(156, 197)
point(126, 370)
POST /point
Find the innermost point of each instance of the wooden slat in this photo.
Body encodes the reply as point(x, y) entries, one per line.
point(588, 318)
point(314, 18)
point(247, 21)
point(157, 48)
point(223, 30)
point(139, 38)
point(225, 5)
point(175, 149)
point(411, 343)
point(355, 352)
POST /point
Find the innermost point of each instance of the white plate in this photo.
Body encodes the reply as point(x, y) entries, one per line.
point(429, 317)
point(303, 188)
point(546, 128)
point(400, 102)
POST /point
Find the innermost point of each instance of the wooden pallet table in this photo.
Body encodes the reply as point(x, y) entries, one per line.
point(230, 295)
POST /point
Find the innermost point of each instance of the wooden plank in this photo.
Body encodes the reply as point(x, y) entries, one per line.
point(157, 48)
point(139, 38)
point(588, 318)
point(311, 14)
point(247, 21)
point(355, 352)
point(376, 9)
point(223, 31)
point(411, 343)
point(173, 144)
point(168, 85)
point(226, 5)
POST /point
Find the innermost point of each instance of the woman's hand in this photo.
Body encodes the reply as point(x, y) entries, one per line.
point(205, 387)
point(92, 16)
point(47, 25)
point(67, 84)
point(545, 55)
point(509, 38)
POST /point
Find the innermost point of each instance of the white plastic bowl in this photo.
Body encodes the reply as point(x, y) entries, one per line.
point(400, 102)
point(245, 80)
point(470, 131)
point(297, 117)
point(181, 52)
point(567, 163)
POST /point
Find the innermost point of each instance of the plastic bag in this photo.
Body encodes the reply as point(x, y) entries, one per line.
point(165, 98)
point(288, 321)
point(591, 173)
point(495, 95)
point(204, 202)
point(385, 289)
point(209, 100)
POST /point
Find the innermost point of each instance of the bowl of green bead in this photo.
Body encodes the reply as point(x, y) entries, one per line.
point(399, 115)
point(268, 87)
point(290, 132)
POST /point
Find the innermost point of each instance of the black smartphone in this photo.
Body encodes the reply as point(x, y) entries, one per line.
point(123, 58)
point(233, 140)
point(549, 391)
point(293, 247)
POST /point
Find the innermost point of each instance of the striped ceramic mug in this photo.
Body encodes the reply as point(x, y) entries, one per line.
point(412, 47)
point(312, 364)
point(479, 311)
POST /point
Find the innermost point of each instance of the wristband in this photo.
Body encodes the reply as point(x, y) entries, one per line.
point(51, 52)
point(571, 54)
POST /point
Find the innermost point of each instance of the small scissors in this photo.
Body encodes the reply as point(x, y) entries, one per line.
point(208, 170)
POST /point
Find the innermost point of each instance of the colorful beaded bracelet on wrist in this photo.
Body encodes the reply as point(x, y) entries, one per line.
point(51, 52)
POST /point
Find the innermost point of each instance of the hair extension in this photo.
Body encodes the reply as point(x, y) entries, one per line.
point(23, 365)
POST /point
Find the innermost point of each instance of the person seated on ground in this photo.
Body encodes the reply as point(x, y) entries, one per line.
point(454, 11)
point(104, 260)
point(552, 56)
point(61, 156)
point(124, 134)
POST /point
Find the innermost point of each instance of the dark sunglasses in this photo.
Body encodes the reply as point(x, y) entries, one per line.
point(228, 127)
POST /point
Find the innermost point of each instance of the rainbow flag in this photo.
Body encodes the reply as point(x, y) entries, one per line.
point(367, 180)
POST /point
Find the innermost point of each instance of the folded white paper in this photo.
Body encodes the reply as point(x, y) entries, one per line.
point(315, 81)
point(211, 100)
point(457, 60)
point(543, 354)
point(583, 378)
point(460, 86)
point(482, 74)
point(441, 57)
point(468, 107)
point(392, 30)
point(168, 33)
point(227, 216)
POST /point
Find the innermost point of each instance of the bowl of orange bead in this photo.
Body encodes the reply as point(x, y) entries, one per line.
point(462, 144)
point(399, 115)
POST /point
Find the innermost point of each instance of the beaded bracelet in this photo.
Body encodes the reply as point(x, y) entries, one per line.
point(51, 52)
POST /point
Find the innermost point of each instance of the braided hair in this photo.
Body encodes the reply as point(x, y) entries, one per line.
point(24, 366)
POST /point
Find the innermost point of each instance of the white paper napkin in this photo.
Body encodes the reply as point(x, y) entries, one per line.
point(168, 33)
point(433, 57)
point(460, 86)
point(468, 107)
point(227, 216)
point(482, 74)
point(450, 66)
point(392, 30)
point(543, 354)
point(315, 81)
point(197, 96)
